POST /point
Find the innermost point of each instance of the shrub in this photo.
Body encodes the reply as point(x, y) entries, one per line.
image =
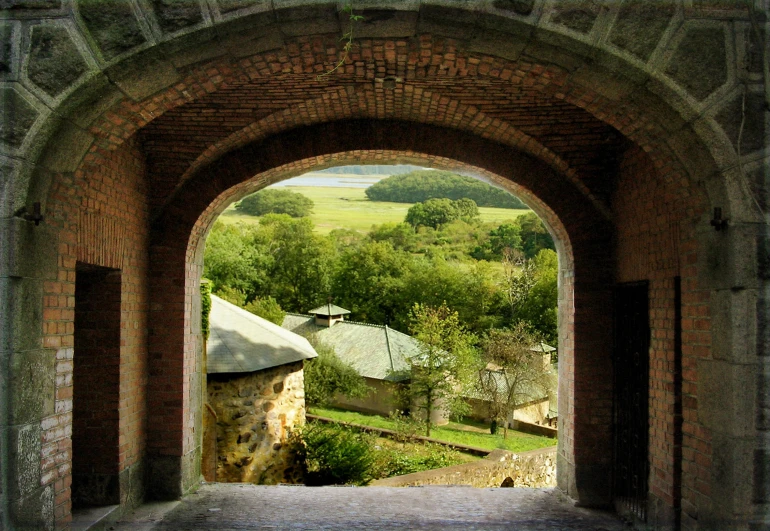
point(266, 308)
point(394, 462)
point(327, 376)
point(335, 455)
point(274, 201)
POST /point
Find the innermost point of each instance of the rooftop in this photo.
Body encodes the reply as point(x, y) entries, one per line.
point(329, 309)
point(243, 342)
point(374, 351)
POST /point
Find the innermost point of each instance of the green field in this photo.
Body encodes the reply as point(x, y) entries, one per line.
point(468, 433)
point(349, 208)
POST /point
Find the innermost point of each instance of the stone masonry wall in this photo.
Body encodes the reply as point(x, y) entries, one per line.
point(536, 468)
point(255, 415)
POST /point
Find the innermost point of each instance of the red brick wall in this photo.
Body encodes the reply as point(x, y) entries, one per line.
point(102, 217)
point(656, 242)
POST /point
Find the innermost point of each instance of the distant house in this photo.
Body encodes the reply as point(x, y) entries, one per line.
point(534, 409)
point(378, 353)
point(255, 391)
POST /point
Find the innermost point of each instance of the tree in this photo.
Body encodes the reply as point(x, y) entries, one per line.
point(267, 308)
point(367, 278)
point(514, 373)
point(400, 235)
point(327, 376)
point(467, 209)
point(236, 257)
point(303, 263)
point(539, 306)
point(276, 201)
point(431, 213)
point(445, 363)
point(534, 235)
point(506, 236)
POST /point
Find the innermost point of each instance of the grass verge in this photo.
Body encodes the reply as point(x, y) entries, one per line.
point(454, 432)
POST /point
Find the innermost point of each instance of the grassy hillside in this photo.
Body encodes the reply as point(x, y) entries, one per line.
point(349, 208)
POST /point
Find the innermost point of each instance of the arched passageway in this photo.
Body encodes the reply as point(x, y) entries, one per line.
point(133, 125)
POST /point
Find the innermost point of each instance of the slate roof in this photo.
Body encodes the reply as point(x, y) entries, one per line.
point(240, 341)
point(329, 309)
point(374, 351)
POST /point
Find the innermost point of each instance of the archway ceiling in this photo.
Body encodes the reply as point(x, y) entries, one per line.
point(525, 100)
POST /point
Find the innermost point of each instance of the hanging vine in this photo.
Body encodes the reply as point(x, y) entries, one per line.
point(347, 37)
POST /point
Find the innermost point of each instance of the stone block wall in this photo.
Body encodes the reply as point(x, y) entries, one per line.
point(536, 468)
point(255, 413)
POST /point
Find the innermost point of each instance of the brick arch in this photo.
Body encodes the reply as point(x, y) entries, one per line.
point(584, 234)
point(98, 200)
point(430, 108)
point(647, 119)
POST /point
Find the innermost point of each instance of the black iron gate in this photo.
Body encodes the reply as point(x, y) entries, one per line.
point(631, 381)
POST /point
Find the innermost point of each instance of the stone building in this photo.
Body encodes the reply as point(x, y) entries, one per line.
point(378, 353)
point(256, 394)
point(637, 131)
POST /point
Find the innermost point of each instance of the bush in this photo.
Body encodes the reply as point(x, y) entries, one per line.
point(327, 375)
point(266, 308)
point(274, 201)
point(335, 455)
point(395, 462)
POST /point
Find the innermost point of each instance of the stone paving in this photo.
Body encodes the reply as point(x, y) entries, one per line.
point(238, 506)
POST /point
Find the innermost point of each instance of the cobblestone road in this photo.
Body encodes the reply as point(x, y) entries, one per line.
point(224, 507)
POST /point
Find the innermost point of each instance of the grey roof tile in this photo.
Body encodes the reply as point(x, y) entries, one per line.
point(243, 342)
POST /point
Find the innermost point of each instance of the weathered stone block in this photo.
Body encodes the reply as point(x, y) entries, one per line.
point(640, 25)
point(226, 6)
point(131, 75)
point(132, 486)
point(730, 260)
point(13, 187)
point(18, 117)
point(578, 16)
point(745, 116)
point(174, 15)
point(727, 397)
point(522, 8)
point(309, 20)
point(761, 487)
point(67, 148)
point(30, 4)
point(733, 463)
point(92, 98)
point(21, 311)
point(497, 44)
point(31, 386)
point(383, 24)
point(164, 477)
point(734, 313)
point(699, 64)
point(24, 444)
point(763, 397)
point(28, 250)
point(8, 49)
point(54, 62)
point(112, 25)
point(34, 512)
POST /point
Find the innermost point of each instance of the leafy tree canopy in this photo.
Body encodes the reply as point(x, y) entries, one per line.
point(445, 364)
point(421, 185)
point(275, 201)
point(437, 212)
